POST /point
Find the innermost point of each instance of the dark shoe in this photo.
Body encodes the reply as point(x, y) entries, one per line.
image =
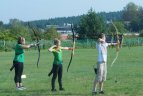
point(101, 92)
point(53, 90)
point(61, 89)
point(94, 93)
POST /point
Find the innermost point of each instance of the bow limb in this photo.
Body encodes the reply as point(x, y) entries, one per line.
point(38, 54)
point(37, 40)
point(117, 32)
point(117, 47)
point(72, 53)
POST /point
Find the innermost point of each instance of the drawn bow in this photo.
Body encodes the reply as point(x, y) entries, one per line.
point(37, 40)
point(118, 42)
point(72, 53)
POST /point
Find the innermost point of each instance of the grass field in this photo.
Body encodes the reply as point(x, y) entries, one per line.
point(128, 70)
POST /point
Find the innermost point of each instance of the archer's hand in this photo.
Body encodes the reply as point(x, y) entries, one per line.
point(34, 44)
point(54, 46)
point(101, 40)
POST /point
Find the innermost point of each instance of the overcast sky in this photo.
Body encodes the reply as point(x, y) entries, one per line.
point(27, 10)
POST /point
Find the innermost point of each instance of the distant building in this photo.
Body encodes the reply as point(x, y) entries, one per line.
point(64, 30)
point(131, 34)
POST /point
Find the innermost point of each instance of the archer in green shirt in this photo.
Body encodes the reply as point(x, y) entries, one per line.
point(57, 69)
point(19, 53)
point(18, 61)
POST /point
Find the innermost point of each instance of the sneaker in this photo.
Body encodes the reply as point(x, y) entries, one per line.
point(22, 87)
point(101, 92)
point(61, 89)
point(53, 90)
point(18, 88)
point(94, 93)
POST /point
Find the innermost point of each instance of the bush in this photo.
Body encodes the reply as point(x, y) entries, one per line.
point(7, 49)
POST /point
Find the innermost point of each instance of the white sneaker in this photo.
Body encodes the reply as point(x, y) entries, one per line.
point(22, 87)
point(19, 88)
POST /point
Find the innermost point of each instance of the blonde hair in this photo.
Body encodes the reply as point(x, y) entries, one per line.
point(56, 41)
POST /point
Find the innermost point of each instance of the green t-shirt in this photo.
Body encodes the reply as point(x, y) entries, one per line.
point(19, 53)
point(57, 56)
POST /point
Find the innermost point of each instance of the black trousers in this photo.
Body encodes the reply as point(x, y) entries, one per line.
point(57, 71)
point(18, 71)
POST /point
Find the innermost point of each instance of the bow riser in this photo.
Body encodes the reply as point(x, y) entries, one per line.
point(37, 39)
point(118, 42)
point(72, 53)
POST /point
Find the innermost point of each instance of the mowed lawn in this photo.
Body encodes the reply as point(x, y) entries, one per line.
point(127, 71)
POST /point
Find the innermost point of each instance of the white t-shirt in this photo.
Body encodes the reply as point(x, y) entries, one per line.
point(102, 51)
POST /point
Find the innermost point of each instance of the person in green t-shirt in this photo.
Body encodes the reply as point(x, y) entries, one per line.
point(18, 61)
point(57, 69)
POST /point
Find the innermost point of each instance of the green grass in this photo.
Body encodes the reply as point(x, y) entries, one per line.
point(79, 80)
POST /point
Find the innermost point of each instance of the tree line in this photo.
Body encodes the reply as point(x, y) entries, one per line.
point(87, 26)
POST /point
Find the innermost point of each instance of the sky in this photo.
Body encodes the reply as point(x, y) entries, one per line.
point(28, 10)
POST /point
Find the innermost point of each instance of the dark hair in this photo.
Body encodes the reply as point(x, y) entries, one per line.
point(101, 35)
point(20, 40)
